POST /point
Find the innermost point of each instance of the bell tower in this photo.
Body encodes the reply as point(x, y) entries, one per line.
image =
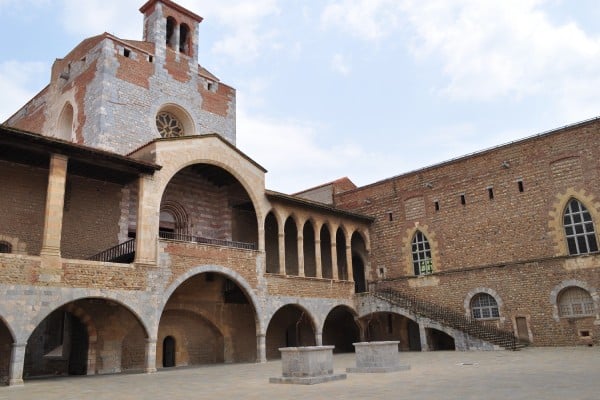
point(171, 28)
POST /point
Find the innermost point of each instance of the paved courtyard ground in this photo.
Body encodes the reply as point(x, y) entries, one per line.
point(534, 373)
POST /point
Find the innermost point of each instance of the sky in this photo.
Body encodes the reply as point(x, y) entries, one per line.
point(366, 89)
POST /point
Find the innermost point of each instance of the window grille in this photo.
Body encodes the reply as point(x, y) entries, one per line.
point(484, 306)
point(421, 254)
point(575, 302)
point(579, 229)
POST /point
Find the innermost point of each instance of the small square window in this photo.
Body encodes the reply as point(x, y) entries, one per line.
point(126, 52)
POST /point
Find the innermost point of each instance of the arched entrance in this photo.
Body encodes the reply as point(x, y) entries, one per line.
point(6, 341)
point(290, 326)
point(86, 337)
point(208, 319)
point(340, 330)
point(439, 340)
point(169, 352)
point(392, 326)
point(204, 203)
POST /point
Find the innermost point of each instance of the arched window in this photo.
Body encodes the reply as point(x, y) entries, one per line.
point(579, 229)
point(421, 255)
point(184, 31)
point(5, 247)
point(575, 302)
point(173, 121)
point(484, 306)
point(170, 30)
point(64, 127)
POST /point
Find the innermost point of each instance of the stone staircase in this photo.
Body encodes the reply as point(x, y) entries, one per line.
point(445, 316)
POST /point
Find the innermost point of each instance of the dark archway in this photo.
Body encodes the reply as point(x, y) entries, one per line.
point(392, 326)
point(211, 320)
point(290, 326)
point(340, 241)
point(272, 244)
point(6, 341)
point(66, 341)
point(169, 352)
point(340, 330)
point(310, 257)
point(359, 259)
point(326, 263)
point(439, 340)
point(291, 247)
point(203, 203)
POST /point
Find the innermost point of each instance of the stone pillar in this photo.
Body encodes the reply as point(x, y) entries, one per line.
point(319, 338)
point(261, 348)
point(334, 263)
point(282, 251)
point(319, 261)
point(146, 242)
point(349, 263)
point(150, 355)
point(423, 334)
point(300, 254)
point(15, 372)
point(55, 200)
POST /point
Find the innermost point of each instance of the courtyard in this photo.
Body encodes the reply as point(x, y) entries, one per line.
point(532, 373)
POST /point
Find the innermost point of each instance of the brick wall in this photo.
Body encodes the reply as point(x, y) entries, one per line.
point(511, 226)
point(279, 285)
point(23, 199)
point(91, 217)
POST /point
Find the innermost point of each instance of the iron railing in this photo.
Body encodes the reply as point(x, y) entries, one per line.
point(445, 316)
point(203, 240)
point(116, 253)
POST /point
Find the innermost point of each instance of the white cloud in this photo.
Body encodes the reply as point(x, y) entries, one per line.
point(365, 19)
point(340, 65)
point(15, 78)
point(486, 49)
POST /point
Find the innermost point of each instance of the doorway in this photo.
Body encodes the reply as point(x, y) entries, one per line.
point(169, 352)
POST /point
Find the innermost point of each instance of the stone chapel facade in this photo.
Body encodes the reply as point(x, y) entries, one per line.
point(136, 236)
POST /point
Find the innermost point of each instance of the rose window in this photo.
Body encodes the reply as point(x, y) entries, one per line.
point(168, 125)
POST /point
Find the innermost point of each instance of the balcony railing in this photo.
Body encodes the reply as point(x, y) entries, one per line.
point(121, 253)
point(203, 240)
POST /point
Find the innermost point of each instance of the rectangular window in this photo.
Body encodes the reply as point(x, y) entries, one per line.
point(490, 191)
point(390, 216)
point(463, 200)
point(126, 52)
point(436, 204)
point(521, 187)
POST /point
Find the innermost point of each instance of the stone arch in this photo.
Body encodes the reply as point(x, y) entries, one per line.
point(555, 293)
point(360, 262)
point(64, 124)
point(179, 214)
point(171, 23)
point(184, 39)
point(556, 214)
point(66, 300)
point(474, 292)
point(309, 251)
point(16, 246)
point(237, 278)
point(7, 340)
point(167, 173)
point(340, 328)
point(341, 241)
point(289, 326)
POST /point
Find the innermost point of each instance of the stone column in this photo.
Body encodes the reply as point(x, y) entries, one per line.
point(51, 264)
point(147, 223)
point(150, 355)
point(349, 263)
point(261, 348)
point(55, 201)
point(15, 372)
point(300, 254)
point(282, 251)
point(423, 334)
point(318, 260)
point(319, 338)
point(334, 263)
